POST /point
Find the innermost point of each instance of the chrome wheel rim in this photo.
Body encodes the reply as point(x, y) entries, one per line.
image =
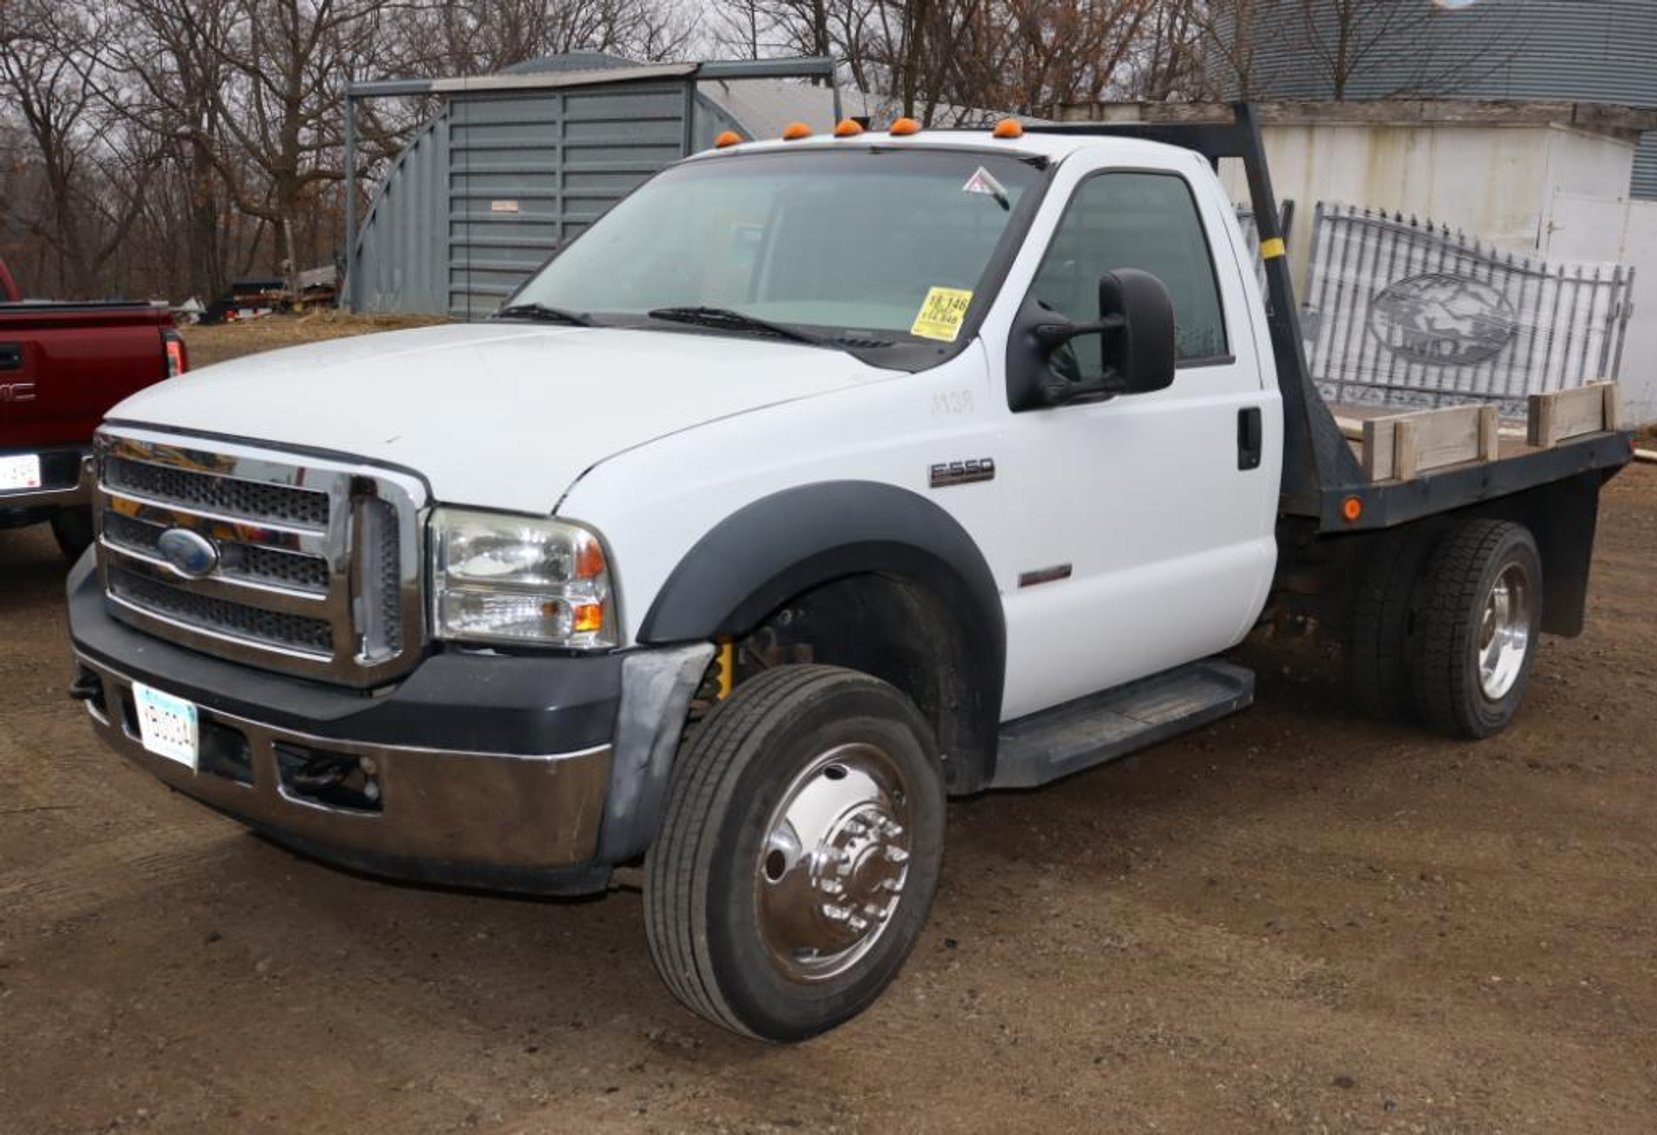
point(833, 864)
point(1505, 632)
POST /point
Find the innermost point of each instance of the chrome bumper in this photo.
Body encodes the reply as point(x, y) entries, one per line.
point(438, 815)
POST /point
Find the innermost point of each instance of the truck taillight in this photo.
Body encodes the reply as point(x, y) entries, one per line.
point(178, 356)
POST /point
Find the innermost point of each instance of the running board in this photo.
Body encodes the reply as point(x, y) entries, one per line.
point(1101, 727)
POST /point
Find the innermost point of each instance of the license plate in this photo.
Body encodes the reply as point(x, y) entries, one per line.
point(20, 471)
point(166, 725)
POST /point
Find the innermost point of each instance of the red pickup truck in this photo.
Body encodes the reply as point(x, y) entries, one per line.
point(61, 366)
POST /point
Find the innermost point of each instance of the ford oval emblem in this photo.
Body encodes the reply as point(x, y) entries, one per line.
point(188, 552)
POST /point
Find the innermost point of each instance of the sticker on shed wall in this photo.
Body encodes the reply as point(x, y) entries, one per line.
point(503, 206)
point(942, 313)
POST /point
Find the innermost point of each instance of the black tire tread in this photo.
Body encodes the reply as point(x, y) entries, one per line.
point(675, 866)
point(1377, 641)
point(1450, 582)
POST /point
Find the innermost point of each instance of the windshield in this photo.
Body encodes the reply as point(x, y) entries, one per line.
point(884, 246)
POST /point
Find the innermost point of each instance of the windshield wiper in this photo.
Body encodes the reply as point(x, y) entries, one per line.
point(728, 319)
point(542, 313)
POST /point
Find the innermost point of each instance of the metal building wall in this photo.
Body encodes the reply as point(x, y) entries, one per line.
point(1580, 50)
point(489, 188)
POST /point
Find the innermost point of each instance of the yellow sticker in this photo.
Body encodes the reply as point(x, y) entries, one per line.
point(942, 313)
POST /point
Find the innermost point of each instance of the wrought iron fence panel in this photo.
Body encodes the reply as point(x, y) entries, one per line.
point(1406, 313)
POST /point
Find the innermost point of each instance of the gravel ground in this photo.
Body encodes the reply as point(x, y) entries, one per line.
point(1293, 920)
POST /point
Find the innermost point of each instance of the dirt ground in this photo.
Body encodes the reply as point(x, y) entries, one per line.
point(1293, 920)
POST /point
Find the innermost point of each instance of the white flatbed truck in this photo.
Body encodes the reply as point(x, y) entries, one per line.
point(819, 480)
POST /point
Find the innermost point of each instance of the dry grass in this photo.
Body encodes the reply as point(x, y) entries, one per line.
point(215, 344)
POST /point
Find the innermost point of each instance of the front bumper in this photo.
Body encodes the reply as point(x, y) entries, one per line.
point(515, 773)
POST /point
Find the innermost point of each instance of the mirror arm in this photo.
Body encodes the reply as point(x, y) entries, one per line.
point(1051, 336)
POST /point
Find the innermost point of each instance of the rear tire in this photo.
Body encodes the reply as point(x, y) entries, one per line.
point(799, 854)
point(1380, 627)
point(1479, 623)
point(72, 529)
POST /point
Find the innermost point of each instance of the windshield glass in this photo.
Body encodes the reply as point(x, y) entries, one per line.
point(842, 243)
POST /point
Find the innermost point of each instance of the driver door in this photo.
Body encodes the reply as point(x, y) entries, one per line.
point(1149, 539)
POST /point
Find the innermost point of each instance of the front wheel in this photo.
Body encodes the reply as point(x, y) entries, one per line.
point(799, 853)
point(1480, 621)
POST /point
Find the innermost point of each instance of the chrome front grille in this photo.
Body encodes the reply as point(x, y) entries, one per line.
point(316, 561)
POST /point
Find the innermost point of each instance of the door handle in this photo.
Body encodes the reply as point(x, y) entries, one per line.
point(1249, 437)
point(11, 356)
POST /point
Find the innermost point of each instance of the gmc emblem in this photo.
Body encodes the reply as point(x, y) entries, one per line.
point(17, 392)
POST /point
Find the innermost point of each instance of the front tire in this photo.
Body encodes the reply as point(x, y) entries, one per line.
point(1480, 620)
point(799, 854)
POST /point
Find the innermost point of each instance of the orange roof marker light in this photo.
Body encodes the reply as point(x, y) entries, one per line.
point(1352, 508)
point(727, 138)
point(848, 128)
point(1007, 128)
point(794, 131)
point(905, 126)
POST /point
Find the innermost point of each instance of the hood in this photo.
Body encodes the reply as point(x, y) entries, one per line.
point(501, 415)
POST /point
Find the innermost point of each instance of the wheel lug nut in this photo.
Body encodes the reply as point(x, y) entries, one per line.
point(831, 886)
point(897, 854)
point(836, 913)
point(858, 924)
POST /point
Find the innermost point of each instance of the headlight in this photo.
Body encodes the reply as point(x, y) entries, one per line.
point(519, 579)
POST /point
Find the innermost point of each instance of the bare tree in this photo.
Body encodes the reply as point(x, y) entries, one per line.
point(93, 180)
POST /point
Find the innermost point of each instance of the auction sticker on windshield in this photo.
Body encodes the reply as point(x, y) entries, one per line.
point(942, 313)
point(20, 471)
point(167, 725)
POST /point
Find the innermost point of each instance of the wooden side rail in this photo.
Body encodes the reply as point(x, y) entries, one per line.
point(1560, 415)
point(1400, 446)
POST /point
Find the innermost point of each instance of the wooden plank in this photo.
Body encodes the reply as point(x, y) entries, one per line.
point(1560, 415)
point(1405, 445)
point(1379, 446)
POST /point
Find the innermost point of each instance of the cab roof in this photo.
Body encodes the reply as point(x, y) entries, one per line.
point(1054, 147)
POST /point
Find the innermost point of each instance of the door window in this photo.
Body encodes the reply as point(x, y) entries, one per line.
point(1147, 221)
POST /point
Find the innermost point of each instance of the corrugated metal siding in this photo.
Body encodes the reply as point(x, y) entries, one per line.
point(490, 187)
point(530, 171)
point(1645, 168)
point(1581, 50)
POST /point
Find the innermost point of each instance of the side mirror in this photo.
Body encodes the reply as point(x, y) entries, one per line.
point(1136, 326)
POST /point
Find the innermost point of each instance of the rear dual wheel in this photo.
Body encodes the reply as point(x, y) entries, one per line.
point(1445, 633)
point(799, 853)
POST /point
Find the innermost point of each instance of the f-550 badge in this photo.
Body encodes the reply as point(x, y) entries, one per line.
point(947, 473)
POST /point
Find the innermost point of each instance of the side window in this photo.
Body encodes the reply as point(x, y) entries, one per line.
point(1134, 220)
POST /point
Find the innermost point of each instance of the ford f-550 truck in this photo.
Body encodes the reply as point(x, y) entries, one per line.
point(61, 366)
point(821, 479)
